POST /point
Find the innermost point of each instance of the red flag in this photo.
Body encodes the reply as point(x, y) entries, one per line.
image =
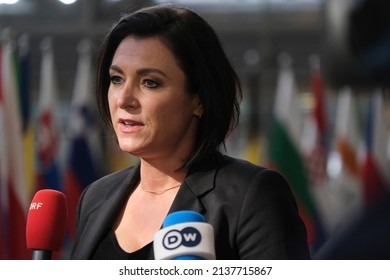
point(315, 145)
point(49, 173)
point(48, 128)
point(316, 149)
point(16, 195)
point(3, 174)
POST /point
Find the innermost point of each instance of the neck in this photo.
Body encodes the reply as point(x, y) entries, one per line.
point(157, 191)
point(154, 179)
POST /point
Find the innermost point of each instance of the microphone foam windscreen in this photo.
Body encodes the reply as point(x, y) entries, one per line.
point(47, 220)
point(184, 216)
point(185, 235)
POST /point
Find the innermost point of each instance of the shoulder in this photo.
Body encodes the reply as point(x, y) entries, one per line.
point(114, 177)
point(108, 184)
point(243, 171)
point(251, 186)
point(242, 182)
point(233, 162)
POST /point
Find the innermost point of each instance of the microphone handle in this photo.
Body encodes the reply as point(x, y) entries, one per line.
point(41, 254)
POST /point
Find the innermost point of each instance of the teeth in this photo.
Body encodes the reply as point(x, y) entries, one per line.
point(128, 123)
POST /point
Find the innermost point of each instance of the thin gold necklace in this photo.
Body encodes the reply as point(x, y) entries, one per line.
point(159, 192)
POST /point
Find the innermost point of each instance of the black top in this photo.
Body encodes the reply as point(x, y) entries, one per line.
point(109, 249)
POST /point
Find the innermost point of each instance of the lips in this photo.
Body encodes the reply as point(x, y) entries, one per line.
point(129, 123)
point(126, 125)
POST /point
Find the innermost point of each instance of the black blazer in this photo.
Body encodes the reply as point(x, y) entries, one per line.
point(251, 208)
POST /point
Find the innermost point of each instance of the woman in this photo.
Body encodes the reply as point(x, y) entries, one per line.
point(166, 87)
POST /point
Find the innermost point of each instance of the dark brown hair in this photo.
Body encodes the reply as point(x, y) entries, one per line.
point(201, 57)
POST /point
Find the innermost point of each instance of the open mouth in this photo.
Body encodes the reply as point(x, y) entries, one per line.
point(129, 125)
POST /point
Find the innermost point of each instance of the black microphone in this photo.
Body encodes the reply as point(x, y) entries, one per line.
point(46, 223)
point(184, 236)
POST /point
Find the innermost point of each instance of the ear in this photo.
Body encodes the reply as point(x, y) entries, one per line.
point(198, 110)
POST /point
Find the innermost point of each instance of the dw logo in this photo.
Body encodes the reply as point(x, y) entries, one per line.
point(188, 237)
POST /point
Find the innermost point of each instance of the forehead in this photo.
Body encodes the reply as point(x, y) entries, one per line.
point(151, 50)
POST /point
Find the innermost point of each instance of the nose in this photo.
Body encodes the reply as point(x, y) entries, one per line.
point(127, 97)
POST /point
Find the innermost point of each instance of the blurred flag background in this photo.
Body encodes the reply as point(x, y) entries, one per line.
point(324, 124)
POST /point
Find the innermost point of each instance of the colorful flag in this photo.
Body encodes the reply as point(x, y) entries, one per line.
point(3, 172)
point(48, 124)
point(375, 167)
point(315, 145)
point(344, 162)
point(285, 155)
point(84, 151)
point(16, 199)
point(28, 124)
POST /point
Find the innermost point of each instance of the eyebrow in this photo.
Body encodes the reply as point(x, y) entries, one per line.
point(142, 71)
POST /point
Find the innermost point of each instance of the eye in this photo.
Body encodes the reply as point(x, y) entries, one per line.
point(115, 79)
point(150, 83)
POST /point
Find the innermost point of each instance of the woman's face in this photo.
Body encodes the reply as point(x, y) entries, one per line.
point(153, 115)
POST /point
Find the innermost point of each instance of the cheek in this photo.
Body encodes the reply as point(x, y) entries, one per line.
point(111, 110)
point(173, 107)
point(111, 103)
point(162, 114)
point(160, 118)
point(174, 114)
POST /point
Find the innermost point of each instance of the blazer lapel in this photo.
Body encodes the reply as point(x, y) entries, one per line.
point(196, 184)
point(101, 219)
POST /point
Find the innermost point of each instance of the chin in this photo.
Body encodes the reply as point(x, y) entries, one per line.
point(127, 148)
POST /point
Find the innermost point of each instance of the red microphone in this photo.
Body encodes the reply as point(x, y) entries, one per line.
point(46, 223)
